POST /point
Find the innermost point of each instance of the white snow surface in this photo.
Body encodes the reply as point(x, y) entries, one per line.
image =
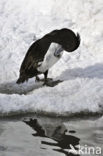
point(21, 22)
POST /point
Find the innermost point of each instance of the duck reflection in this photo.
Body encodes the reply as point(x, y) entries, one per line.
point(57, 133)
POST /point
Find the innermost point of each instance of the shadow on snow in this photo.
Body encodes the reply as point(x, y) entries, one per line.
point(94, 71)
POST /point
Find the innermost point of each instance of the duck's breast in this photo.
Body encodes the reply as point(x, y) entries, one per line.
point(52, 56)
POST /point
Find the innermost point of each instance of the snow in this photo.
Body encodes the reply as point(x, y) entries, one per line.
point(23, 21)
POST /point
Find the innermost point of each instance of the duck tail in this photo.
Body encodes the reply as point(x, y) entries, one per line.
point(21, 79)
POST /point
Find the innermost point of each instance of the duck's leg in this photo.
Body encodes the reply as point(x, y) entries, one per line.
point(49, 81)
point(46, 77)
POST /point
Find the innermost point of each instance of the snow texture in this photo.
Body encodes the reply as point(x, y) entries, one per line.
point(23, 21)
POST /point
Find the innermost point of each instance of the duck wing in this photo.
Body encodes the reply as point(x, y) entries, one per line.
point(32, 58)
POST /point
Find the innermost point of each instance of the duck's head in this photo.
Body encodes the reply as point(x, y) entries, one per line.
point(66, 38)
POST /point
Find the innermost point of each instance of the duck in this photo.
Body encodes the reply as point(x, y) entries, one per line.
point(45, 52)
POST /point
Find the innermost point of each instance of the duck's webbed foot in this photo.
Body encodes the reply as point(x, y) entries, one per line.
point(49, 81)
point(43, 80)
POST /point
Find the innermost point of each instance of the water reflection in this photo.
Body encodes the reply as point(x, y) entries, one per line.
point(56, 133)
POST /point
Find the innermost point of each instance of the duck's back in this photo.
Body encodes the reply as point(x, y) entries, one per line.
point(34, 55)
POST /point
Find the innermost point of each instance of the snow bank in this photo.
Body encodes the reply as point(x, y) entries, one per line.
point(81, 71)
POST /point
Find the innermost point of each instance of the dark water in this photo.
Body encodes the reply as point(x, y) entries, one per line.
point(57, 133)
point(40, 136)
